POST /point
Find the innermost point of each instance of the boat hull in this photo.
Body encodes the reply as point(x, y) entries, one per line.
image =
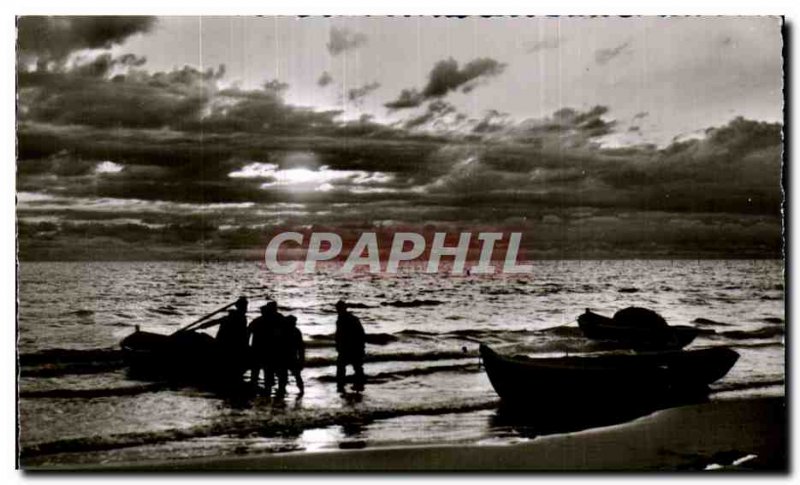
point(188, 356)
point(607, 379)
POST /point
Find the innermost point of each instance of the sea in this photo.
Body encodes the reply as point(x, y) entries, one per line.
point(79, 404)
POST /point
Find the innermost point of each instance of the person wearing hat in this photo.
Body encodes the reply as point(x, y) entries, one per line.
point(350, 343)
point(265, 330)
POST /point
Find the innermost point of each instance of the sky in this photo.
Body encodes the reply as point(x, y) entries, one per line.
point(598, 137)
point(683, 72)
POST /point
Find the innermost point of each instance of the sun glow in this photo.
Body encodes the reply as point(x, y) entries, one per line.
point(322, 179)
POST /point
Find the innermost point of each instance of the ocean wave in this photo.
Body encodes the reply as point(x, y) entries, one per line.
point(761, 333)
point(398, 357)
point(329, 340)
point(58, 362)
point(91, 393)
point(743, 386)
point(82, 313)
point(168, 310)
point(412, 303)
point(275, 424)
point(70, 356)
point(384, 377)
point(710, 323)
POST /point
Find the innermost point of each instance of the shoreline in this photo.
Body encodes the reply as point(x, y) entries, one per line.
point(742, 434)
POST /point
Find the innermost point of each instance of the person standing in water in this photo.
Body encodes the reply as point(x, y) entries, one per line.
point(232, 339)
point(265, 331)
point(350, 343)
point(293, 356)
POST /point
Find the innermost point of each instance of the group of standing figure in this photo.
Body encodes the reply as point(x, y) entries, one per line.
point(272, 343)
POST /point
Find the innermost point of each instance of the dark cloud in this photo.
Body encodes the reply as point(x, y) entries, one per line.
point(446, 77)
point(343, 39)
point(46, 39)
point(566, 128)
point(182, 99)
point(409, 98)
point(436, 111)
point(357, 94)
point(604, 56)
point(493, 121)
point(324, 79)
point(104, 64)
point(85, 96)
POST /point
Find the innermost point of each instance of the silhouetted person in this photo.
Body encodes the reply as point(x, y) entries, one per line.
point(232, 339)
point(292, 355)
point(350, 342)
point(265, 330)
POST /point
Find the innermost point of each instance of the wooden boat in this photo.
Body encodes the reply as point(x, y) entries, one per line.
point(182, 355)
point(638, 329)
point(591, 380)
point(187, 355)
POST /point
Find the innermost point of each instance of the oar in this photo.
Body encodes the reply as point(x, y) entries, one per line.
point(206, 317)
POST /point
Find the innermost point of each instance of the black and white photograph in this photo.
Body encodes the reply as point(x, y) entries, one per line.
point(401, 243)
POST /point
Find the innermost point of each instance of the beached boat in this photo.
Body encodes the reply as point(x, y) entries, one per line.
point(590, 380)
point(182, 354)
point(637, 328)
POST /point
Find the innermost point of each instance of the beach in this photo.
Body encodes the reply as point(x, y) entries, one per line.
point(736, 434)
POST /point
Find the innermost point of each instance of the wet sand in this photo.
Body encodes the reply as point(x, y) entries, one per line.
point(744, 434)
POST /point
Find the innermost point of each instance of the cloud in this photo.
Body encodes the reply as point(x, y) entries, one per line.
point(324, 79)
point(357, 94)
point(112, 154)
point(106, 92)
point(46, 39)
point(493, 121)
point(604, 56)
point(446, 77)
point(343, 39)
point(409, 98)
point(86, 95)
point(546, 44)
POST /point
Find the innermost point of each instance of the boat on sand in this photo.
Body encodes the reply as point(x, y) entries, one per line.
point(606, 378)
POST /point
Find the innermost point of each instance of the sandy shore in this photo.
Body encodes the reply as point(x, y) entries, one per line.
point(746, 434)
